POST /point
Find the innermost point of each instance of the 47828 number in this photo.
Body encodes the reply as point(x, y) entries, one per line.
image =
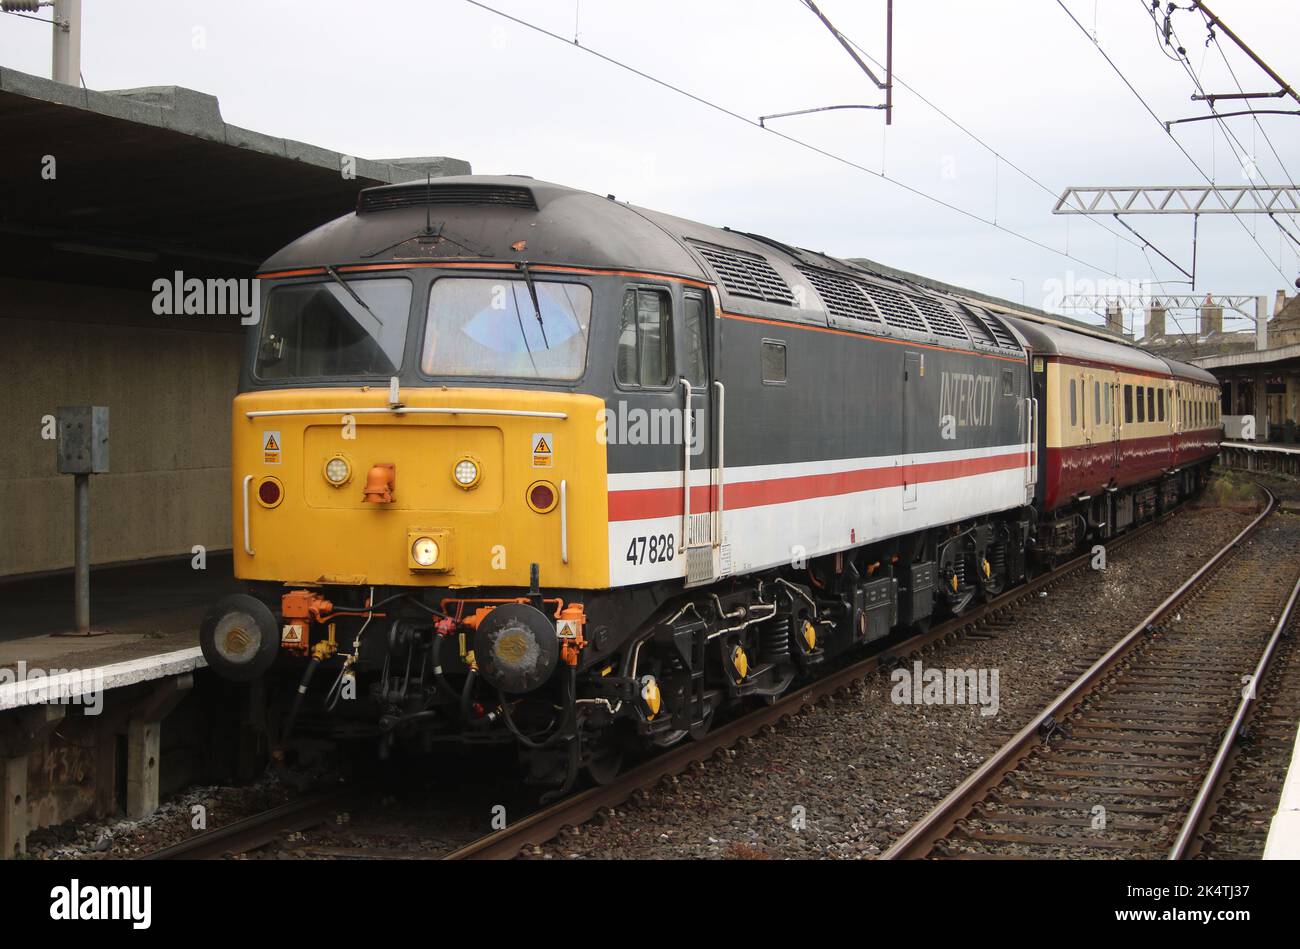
point(656, 548)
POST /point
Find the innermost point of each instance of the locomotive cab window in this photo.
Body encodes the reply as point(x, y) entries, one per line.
point(313, 330)
point(645, 340)
point(772, 358)
point(1008, 382)
point(496, 327)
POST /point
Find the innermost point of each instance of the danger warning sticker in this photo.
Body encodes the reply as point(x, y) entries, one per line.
point(270, 448)
point(566, 629)
point(543, 450)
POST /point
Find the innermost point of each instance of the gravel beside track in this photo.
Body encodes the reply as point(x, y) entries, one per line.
point(846, 778)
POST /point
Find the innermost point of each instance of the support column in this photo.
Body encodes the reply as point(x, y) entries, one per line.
point(143, 744)
point(13, 807)
point(1261, 405)
point(22, 731)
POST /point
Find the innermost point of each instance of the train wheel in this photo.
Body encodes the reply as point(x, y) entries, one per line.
point(992, 586)
point(701, 728)
point(607, 754)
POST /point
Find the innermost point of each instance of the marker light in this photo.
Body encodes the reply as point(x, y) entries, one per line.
point(270, 492)
point(466, 473)
point(425, 551)
point(337, 471)
point(542, 497)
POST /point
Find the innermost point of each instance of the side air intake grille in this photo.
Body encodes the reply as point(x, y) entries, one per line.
point(1005, 339)
point(896, 309)
point(843, 296)
point(979, 330)
point(746, 275)
point(417, 195)
point(941, 319)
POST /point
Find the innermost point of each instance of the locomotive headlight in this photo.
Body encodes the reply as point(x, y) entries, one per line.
point(425, 551)
point(337, 471)
point(466, 473)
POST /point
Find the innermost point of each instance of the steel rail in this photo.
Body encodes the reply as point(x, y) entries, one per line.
point(254, 831)
point(1200, 810)
point(543, 825)
point(939, 822)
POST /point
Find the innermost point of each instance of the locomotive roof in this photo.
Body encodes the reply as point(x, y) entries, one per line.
point(514, 218)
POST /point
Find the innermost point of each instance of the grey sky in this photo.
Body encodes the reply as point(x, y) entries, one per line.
point(441, 77)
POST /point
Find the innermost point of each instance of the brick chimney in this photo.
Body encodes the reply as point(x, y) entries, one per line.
point(1155, 325)
point(1115, 318)
point(1211, 317)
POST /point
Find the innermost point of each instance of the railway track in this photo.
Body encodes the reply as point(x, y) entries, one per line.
point(1130, 760)
point(255, 831)
point(544, 824)
point(1251, 785)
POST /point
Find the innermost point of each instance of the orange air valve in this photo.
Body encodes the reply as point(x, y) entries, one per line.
point(381, 481)
point(299, 609)
point(569, 631)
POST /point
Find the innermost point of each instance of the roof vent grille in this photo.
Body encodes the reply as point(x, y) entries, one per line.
point(417, 195)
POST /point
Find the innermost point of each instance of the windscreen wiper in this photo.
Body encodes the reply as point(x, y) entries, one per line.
point(353, 294)
point(537, 307)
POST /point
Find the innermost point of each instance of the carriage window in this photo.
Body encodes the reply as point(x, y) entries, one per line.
point(697, 346)
point(1141, 401)
point(1128, 404)
point(1160, 403)
point(773, 362)
point(645, 339)
point(1074, 410)
point(320, 329)
point(492, 327)
point(1096, 401)
point(1151, 403)
point(1107, 404)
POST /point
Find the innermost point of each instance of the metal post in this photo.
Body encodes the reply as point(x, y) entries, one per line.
point(81, 519)
point(67, 42)
point(889, 63)
point(82, 452)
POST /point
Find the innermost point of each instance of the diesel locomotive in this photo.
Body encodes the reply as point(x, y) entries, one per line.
point(518, 463)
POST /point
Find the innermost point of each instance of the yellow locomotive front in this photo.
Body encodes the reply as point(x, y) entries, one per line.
point(419, 487)
point(418, 497)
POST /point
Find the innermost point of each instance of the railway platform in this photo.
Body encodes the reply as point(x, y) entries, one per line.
point(1284, 831)
point(105, 724)
point(1261, 457)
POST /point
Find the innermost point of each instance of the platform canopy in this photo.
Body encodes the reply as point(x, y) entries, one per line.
point(108, 188)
